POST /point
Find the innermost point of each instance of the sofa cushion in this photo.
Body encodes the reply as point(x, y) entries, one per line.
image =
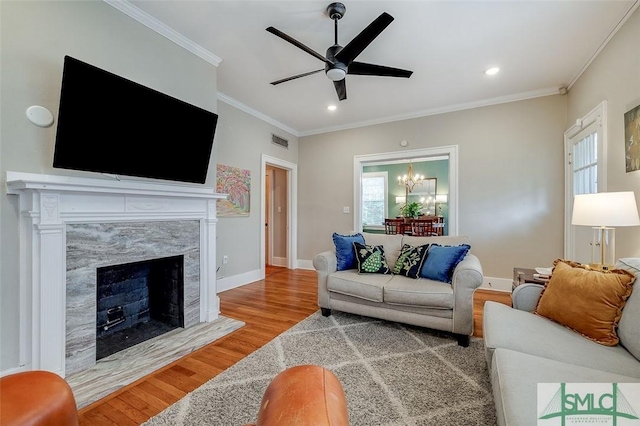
point(365, 286)
point(508, 328)
point(515, 377)
point(628, 329)
point(345, 256)
point(410, 261)
point(442, 260)
point(585, 300)
point(370, 259)
point(418, 292)
point(391, 243)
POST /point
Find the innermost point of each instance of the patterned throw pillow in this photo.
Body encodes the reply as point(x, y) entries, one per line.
point(370, 259)
point(410, 261)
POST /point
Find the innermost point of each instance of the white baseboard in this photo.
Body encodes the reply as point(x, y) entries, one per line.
point(498, 284)
point(227, 283)
point(305, 264)
point(279, 261)
point(12, 371)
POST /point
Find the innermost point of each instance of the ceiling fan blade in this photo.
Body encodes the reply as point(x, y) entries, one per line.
point(362, 40)
point(341, 88)
point(361, 68)
point(296, 43)
point(295, 76)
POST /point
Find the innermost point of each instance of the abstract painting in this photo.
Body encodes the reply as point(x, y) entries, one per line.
point(237, 183)
point(632, 139)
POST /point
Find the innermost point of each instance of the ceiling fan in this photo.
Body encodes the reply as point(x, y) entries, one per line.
point(340, 61)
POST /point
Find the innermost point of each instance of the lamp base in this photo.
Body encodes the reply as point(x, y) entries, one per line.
point(603, 248)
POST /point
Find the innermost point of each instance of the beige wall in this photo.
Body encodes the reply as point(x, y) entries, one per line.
point(243, 139)
point(35, 36)
point(510, 179)
point(614, 76)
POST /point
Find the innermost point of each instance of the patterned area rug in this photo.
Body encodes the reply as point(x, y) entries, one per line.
point(392, 374)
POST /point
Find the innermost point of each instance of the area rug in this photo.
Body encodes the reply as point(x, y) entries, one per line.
point(122, 368)
point(392, 374)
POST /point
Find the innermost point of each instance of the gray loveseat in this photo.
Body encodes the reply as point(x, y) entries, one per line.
point(417, 301)
point(524, 349)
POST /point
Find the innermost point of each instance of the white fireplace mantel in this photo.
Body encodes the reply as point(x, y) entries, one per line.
point(47, 203)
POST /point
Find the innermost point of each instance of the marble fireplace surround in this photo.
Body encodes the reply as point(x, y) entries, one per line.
point(49, 205)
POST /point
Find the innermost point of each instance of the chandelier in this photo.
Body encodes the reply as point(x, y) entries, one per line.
point(409, 181)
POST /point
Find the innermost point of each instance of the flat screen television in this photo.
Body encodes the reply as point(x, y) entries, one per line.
point(112, 125)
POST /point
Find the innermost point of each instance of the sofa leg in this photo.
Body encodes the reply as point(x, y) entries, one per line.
point(325, 312)
point(463, 340)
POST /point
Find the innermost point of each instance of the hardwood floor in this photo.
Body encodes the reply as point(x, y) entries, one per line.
point(268, 307)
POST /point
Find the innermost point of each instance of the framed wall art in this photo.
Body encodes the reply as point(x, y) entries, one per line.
point(237, 183)
point(632, 139)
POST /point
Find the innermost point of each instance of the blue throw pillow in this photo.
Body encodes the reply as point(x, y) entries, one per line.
point(345, 254)
point(442, 261)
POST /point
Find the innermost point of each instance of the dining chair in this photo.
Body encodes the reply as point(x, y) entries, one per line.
point(394, 226)
point(423, 227)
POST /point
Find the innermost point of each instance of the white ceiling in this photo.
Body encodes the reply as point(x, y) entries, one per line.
point(540, 46)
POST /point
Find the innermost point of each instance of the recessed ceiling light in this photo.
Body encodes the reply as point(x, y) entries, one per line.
point(492, 71)
point(332, 107)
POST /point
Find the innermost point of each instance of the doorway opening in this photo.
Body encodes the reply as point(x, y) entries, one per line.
point(278, 246)
point(448, 200)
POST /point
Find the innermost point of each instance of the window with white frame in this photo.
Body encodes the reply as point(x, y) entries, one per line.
point(374, 198)
point(585, 164)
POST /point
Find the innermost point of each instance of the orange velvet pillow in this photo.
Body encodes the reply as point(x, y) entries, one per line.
point(586, 300)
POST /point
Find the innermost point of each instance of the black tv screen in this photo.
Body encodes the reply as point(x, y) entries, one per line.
point(112, 125)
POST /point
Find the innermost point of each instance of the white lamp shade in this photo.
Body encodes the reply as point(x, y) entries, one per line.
point(401, 200)
point(441, 198)
point(605, 209)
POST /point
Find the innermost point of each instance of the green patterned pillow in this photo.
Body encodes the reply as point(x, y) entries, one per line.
point(370, 259)
point(410, 261)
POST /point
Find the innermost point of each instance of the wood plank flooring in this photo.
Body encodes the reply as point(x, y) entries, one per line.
point(268, 307)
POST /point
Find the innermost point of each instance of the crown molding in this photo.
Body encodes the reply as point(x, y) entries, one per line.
point(623, 18)
point(437, 111)
point(239, 105)
point(150, 22)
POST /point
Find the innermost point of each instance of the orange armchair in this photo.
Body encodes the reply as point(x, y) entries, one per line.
point(36, 398)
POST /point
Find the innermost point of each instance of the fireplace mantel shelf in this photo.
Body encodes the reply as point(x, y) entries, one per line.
point(49, 203)
point(19, 181)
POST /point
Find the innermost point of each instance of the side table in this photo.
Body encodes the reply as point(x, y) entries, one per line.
point(525, 275)
point(526, 289)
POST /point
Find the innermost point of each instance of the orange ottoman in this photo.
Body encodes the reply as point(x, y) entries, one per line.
point(36, 398)
point(306, 395)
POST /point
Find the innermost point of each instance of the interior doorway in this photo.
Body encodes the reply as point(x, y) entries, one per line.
point(276, 203)
point(278, 245)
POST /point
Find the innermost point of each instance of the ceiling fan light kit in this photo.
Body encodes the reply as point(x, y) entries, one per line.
point(340, 61)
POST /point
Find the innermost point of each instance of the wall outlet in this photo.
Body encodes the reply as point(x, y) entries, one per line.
point(225, 259)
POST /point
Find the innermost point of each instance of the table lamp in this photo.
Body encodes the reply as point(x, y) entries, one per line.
point(604, 211)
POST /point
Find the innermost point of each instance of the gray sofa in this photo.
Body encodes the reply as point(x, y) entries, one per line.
point(420, 301)
point(524, 349)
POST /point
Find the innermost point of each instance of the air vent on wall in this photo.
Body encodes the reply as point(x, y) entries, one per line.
point(279, 141)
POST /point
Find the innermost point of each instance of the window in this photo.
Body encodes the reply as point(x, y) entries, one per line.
point(374, 198)
point(585, 165)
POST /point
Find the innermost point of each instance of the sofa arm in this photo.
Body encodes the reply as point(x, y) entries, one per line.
point(525, 297)
point(325, 264)
point(466, 278)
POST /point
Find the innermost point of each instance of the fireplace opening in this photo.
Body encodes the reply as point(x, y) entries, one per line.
point(138, 301)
